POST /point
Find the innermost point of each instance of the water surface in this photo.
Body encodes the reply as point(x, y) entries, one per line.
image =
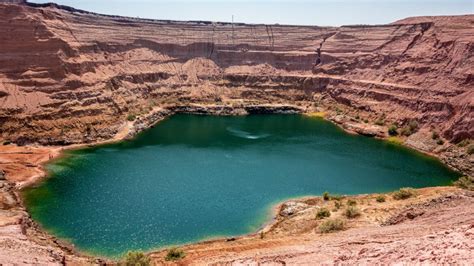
point(196, 177)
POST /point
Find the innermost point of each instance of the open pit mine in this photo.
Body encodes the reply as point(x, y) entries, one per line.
point(70, 78)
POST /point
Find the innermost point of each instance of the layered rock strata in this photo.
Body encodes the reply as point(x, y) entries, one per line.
point(68, 76)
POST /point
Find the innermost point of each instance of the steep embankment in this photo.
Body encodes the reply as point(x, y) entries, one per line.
point(72, 77)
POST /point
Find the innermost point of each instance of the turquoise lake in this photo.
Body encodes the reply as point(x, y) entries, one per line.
point(192, 178)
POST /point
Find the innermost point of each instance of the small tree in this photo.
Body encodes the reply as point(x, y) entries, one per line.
point(392, 130)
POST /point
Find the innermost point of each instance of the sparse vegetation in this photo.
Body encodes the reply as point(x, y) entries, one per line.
point(435, 135)
point(380, 198)
point(336, 197)
point(136, 258)
point(331, 225)
point(337, 205)
point(326, 195)
point(323, 213)
point(465, 182)
point(175, 254)
point(351, 202)
point(440, 142)
point(131, 117)
point(410, 128)
point(262, 235)
point(393, 130)
point(352, 212)
point(413, 126)
point(403, 193)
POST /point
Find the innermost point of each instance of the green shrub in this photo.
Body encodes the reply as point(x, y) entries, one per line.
point(357, 117)
point(470, 149)
point(331, 225)
point(323, 213)
point(352, 212)
point(380, 198)
point(435, 135)
point(136, 258)
point(337, 205)
point(326, 195)
point(131, 117)
point(351, 202)
point(174, 254)
point(366, 121)
point(392, 130)
point(403, 193)
point(465, 182)
point(440, 142)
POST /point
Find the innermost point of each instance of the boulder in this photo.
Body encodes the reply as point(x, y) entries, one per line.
point(292, 207)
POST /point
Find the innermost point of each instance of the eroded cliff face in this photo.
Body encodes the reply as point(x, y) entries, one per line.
point(73, 77)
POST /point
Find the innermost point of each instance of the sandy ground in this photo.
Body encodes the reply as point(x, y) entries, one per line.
point(434, 227)
point(23, 165)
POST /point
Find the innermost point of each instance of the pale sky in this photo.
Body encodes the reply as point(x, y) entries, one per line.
point(298, 12)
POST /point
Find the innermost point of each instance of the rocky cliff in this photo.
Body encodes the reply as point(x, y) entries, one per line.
point(69, 76)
